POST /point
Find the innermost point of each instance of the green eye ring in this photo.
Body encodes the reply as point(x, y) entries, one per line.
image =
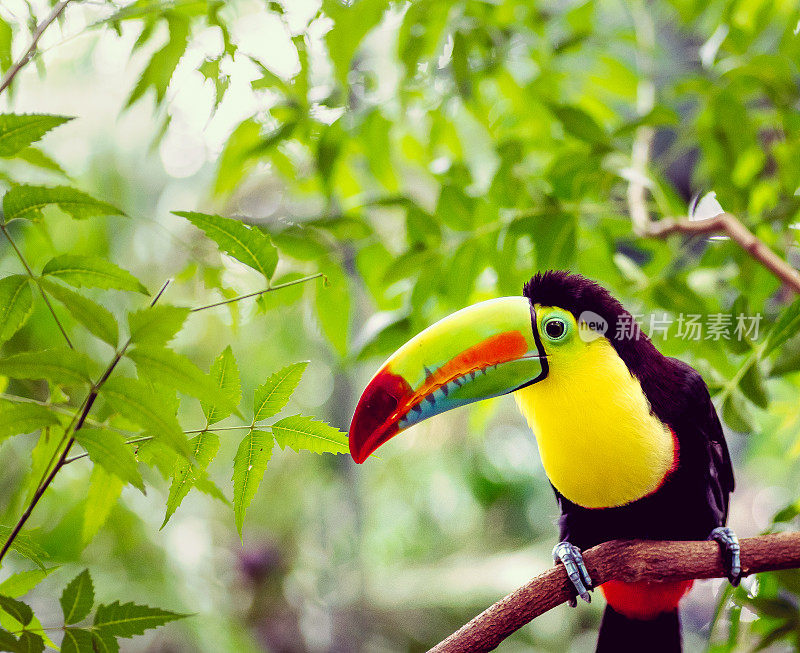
point(555, 328)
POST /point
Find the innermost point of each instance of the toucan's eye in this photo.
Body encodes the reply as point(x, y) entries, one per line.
point(555, 328)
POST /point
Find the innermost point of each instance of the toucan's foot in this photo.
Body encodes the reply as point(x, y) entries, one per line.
point(730, 552)
point(570, 555)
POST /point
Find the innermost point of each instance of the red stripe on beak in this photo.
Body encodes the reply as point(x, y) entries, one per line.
point(373, 422)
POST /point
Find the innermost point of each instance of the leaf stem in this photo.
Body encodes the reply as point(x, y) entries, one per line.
point(27, 267)
point(84, 414)
point(37, 34)
point(147, 438)
point(144, 438)
point(259, 292)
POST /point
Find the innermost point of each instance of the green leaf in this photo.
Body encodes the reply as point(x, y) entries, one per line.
point(104, 491)
point(787, 326)
point(104, 643)
point(92, 272)
point(172, 370)
point(26, 202)
point(139, 403)
point(108, 448)
point(17, 609)
point(752, 386)
point(351, 23)
point(298, 432)
point(332, 302)
point(7, 641)
point(23, 545)
point(16, 419)
point(204, 448)
point(6, 38)
point(158, 72)
point(129, 619)
point(156, 325)
point(249, 466)
point(30, 642)
point(225, 373)
point(23, 582)
point(579, 123)
point(77, 640)
point(18, 131)
point(60, 365)
point(16, 302)
point(77, 598)
point(272, 396)
point(249, 245)
point(97, 319)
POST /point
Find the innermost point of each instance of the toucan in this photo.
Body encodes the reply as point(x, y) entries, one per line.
point(629, 438)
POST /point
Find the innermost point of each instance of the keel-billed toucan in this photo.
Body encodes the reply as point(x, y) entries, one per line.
point(628, 437)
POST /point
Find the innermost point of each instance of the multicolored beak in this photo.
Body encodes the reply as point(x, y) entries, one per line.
point(482, 351)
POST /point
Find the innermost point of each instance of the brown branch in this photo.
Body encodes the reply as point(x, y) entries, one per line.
point(37, 34)
point(731, 226)
point(626, 560)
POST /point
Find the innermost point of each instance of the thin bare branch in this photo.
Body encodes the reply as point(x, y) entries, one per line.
point(625, 560)
point(259, 292)
point(23, 61)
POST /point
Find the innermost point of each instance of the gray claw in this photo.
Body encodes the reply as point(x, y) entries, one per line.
point(730, 552)
point(570, 556)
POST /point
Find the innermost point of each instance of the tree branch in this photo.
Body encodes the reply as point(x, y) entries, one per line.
point(625, 560)
point(37, 34)
point(85, 409)
point(731, 226)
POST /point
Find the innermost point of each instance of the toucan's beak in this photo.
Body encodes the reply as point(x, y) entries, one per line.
point(485, 350)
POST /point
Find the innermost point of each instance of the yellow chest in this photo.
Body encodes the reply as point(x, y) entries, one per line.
point(599, 443)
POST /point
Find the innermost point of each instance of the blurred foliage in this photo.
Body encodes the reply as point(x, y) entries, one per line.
point(421, 156)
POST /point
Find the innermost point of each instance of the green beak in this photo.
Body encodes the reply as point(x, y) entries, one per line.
point(482, 351)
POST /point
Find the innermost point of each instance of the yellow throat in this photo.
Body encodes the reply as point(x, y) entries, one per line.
point(599, 443)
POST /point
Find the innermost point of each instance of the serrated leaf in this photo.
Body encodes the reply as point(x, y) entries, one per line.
point(17, 419)
point(104, 491)
point(91, 272)
point(204, 448)
point(77, 640)
point(156, 325)
point(23, 545)
point(272, 396)
point(77, 598)
point(18, 131)
point(158, 72)
point(17, 609)
point(104, 643)
point(299, 432)
point(139, 403)
point(26, 202)
point(247, 244)
point(23, 582)
point(249, 466)
point(60, 365)
point(16, 302)
point(172, 370)
point(97, 319)
point(129, 619)
point(225, 373)
point(108, 449)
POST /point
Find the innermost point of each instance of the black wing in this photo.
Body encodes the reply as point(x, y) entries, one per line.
point(697, 419)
